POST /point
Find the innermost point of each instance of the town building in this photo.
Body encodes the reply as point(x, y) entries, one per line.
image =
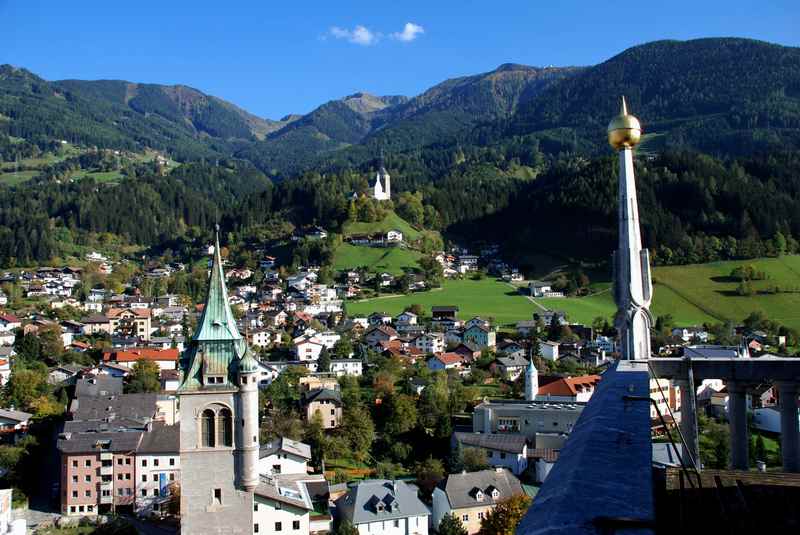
point(158, 468)
point(502, 450)
point(383, 507)
point(325, 402)
point(284, 456)
point(546, 424)
point(472, 495)
point(133, 322)
point(283, 503)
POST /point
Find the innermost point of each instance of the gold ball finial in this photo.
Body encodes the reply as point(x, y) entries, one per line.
point(624, 130)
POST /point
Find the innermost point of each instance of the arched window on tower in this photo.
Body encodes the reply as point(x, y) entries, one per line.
point(226, 427)
point(207, 428)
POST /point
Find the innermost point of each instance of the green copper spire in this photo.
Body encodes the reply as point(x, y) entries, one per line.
point(213, 357)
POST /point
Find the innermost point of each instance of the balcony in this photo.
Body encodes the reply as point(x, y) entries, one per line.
point(106, 456)
point(107, 470)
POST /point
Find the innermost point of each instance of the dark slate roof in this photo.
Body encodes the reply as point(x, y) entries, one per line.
point(99, 385)
point(161, 439)
point(102, 426)
point(286, 445)
point(461, 489)
point(134, 406)
point(379, 499)
point(119, 442)
point(322, 394)
point(500, 442)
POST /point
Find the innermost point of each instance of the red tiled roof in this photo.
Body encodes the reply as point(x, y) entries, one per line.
point(145, 353)
point(568, 386)
point(449, 358)
point(9, 318)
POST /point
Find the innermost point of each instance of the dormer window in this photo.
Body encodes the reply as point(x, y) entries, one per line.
point(495, 494)
point(479, 495)
point(214, 379)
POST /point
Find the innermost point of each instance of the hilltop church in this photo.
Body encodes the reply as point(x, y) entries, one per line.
point(382, 188)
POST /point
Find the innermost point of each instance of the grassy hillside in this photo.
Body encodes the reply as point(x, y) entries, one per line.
point(392, 260)
point(693, 295)
point(485, 298)
point(390, 222)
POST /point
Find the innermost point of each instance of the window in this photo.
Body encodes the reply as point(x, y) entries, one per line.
point(278, 526)
point(155, 462)
point(144, 479)
point(90, 508)
point(144, 462)
point(119, 461)
point(502, 455)
point(218, 496)
point(127, 477)
point(255, 507)
point(155, 477)
point(80, 508)
point(207, 428)
point(333, 412)
point(278, 506)
point(171, 461)
point(129, 492)
point(119, 492)
point(74, 479)
point(155, 492)
point(87, 493)
point(71, 508)
point(74, 493)
point(480, 515)
point(226, 422)
point(172, 477)
point(127, 460)
point(87, 463)
point(144, 492)
point(255, 528)
point(465, 518)
point(74, 464)
point(119, 477)
point(396, 524)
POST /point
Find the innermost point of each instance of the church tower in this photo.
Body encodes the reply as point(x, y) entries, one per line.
point(633, 288)
point(382, 189)
point(531, 381)
point(218, 397)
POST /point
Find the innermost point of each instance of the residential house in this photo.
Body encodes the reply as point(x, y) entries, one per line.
point(379, 333)
point(276, 318)
point(691, 334)
point(406, 318)
point(13, 424)
point(430, 343)
point(446, 361)
point(130, 322)
point(352, 367)
point(578, 388)
point(480, 336)
point(308, 348)
point(260, 338)
point(383, 507)
point(284, 456)
point(394, 236)
point(511, 348)
point(326, 402)
point(167, 359)
point(283, 503)
point(9, 322)
point(470, 496)
point(445, 316)
point(379, 318)
point(510, 366)
point(503, 450)
point(549, 350)
point(477, 321)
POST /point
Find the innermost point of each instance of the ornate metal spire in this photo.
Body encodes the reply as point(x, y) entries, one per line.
point(633, 288)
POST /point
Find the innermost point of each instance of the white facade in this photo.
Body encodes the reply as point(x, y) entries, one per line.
point(282, 462)
point(278, 518)
point(352, 367)
point(155, 473)
point(308, 349)
point(412, 525)
point(549, 350)
point(430, 343)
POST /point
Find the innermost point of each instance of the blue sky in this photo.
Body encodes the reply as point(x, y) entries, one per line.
point(279, 57)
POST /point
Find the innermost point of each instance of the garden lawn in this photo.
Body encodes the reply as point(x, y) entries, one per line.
point(392, 221)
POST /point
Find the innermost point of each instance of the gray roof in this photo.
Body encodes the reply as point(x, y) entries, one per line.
point(462, 489)
point(500, 442)
point(134, 406)
point(161, 439)
point(6, 351)
point(123, 441)
point(322, 394)
point(19, 416)
point(287, 488)
point(285, 445)
point(99, 385)
point(512, 361)
point(379, 499)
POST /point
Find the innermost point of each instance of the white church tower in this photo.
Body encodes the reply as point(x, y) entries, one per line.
point(218, 396)
point(633, 288)
point(382, 189)
point(531, 381)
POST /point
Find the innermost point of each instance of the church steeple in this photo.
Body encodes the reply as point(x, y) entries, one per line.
point(216, 348)
point(633, 287)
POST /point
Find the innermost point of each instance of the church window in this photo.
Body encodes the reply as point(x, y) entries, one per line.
point(207, 428)
point(226, 427)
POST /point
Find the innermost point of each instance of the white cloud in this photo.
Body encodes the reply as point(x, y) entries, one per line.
point(409, 33)
point(360, 35)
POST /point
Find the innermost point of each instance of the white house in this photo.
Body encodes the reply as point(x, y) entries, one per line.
point(353, 367)
point(503, 450)
point(260, 338)
point(446, 361)
point(406, 318)
point(308, 348)
point(282, 504)
point(384, 507)
point(549, 350)
point(430, 342)
point(284, 456)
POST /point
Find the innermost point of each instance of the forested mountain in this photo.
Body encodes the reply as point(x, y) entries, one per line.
point(714, 95)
